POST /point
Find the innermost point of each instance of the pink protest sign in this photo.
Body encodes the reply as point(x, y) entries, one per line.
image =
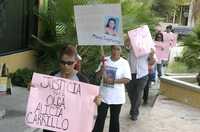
point(170, 38)
point(62, 105)
point(141, 41)
point(162, 51)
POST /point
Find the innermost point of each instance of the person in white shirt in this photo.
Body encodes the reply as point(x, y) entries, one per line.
point(139, 72)
point(115, 72)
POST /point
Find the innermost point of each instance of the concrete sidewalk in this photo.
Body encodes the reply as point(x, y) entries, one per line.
point(15, 106)
point(165, 116)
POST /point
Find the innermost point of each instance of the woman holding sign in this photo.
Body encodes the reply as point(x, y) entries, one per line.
point(68, 58)
point(115, 72)
point(159, 38)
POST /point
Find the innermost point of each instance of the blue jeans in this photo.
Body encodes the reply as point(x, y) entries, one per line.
point(159, 70)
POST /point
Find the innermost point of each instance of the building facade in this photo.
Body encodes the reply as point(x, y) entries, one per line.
point(17, 24)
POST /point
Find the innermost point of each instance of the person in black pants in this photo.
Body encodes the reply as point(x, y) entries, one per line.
point(135, 90)
point(139, 70)
point(115, 72)
point(114, 117)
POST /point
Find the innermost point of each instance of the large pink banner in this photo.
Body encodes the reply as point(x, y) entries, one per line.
point(170, 38)
point(141, 41)
point(61, 105)
point(162, 51)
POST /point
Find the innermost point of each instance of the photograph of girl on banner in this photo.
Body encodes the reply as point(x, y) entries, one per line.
point(111, 26)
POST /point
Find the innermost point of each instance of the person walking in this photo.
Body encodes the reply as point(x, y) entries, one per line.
point(139, 72)
point(115, 73)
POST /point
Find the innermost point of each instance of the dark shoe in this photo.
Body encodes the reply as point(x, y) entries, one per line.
point(133, 118)
point(145, 102)
point(130, 113)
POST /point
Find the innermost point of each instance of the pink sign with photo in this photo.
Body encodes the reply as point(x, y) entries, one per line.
point(141, 41)
point(61, 105)
point(170, 38)
point(162, 51)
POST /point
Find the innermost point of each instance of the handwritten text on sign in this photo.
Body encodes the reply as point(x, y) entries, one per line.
point(141, 40)
point(61, 105)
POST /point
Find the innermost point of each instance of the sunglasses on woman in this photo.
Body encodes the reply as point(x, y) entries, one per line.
point(67, 62)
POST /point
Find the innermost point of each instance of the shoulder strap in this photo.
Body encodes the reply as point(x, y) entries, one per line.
point(82, 78)
point(53, 73)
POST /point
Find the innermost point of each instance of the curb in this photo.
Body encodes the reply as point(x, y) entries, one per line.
point(33, 130)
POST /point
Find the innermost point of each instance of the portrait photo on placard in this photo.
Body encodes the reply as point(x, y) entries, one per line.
point(112, 25)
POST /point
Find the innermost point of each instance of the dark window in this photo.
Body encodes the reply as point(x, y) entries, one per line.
point(17, 23)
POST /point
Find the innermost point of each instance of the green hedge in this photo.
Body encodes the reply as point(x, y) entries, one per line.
point(21, 77)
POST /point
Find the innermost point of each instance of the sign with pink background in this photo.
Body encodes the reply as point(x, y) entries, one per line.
point(162, 51)
point(141, 41)
point(61, 105)
point(170, 38)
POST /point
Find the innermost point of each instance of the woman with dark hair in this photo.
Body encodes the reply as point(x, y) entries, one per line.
point(110, 28)
point(159, 38)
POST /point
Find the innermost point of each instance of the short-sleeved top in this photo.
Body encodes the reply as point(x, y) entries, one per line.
point(115, 94)
point(139, 66)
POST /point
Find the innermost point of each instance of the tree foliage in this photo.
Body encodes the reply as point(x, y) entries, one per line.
point(191, 55)
point(137, 13)
point(61, 14)
point(164, 8)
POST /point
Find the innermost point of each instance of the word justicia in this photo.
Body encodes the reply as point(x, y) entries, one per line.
point(61, 85)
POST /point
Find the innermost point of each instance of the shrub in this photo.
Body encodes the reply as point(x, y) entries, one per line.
point(22, 77)
point(191, 54)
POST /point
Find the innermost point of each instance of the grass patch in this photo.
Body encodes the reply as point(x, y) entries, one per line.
point(179, 67)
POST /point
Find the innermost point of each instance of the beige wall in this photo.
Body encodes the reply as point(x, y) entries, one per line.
point(181, 94)
point(20, 60)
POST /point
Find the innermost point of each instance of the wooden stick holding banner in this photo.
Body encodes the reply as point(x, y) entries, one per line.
point(102, 61)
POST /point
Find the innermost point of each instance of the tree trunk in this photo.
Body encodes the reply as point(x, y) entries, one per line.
point(181, 12)
point(190, 17)
point(174, 17)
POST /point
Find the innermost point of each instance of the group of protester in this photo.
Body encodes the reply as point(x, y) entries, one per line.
point(115, 72)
